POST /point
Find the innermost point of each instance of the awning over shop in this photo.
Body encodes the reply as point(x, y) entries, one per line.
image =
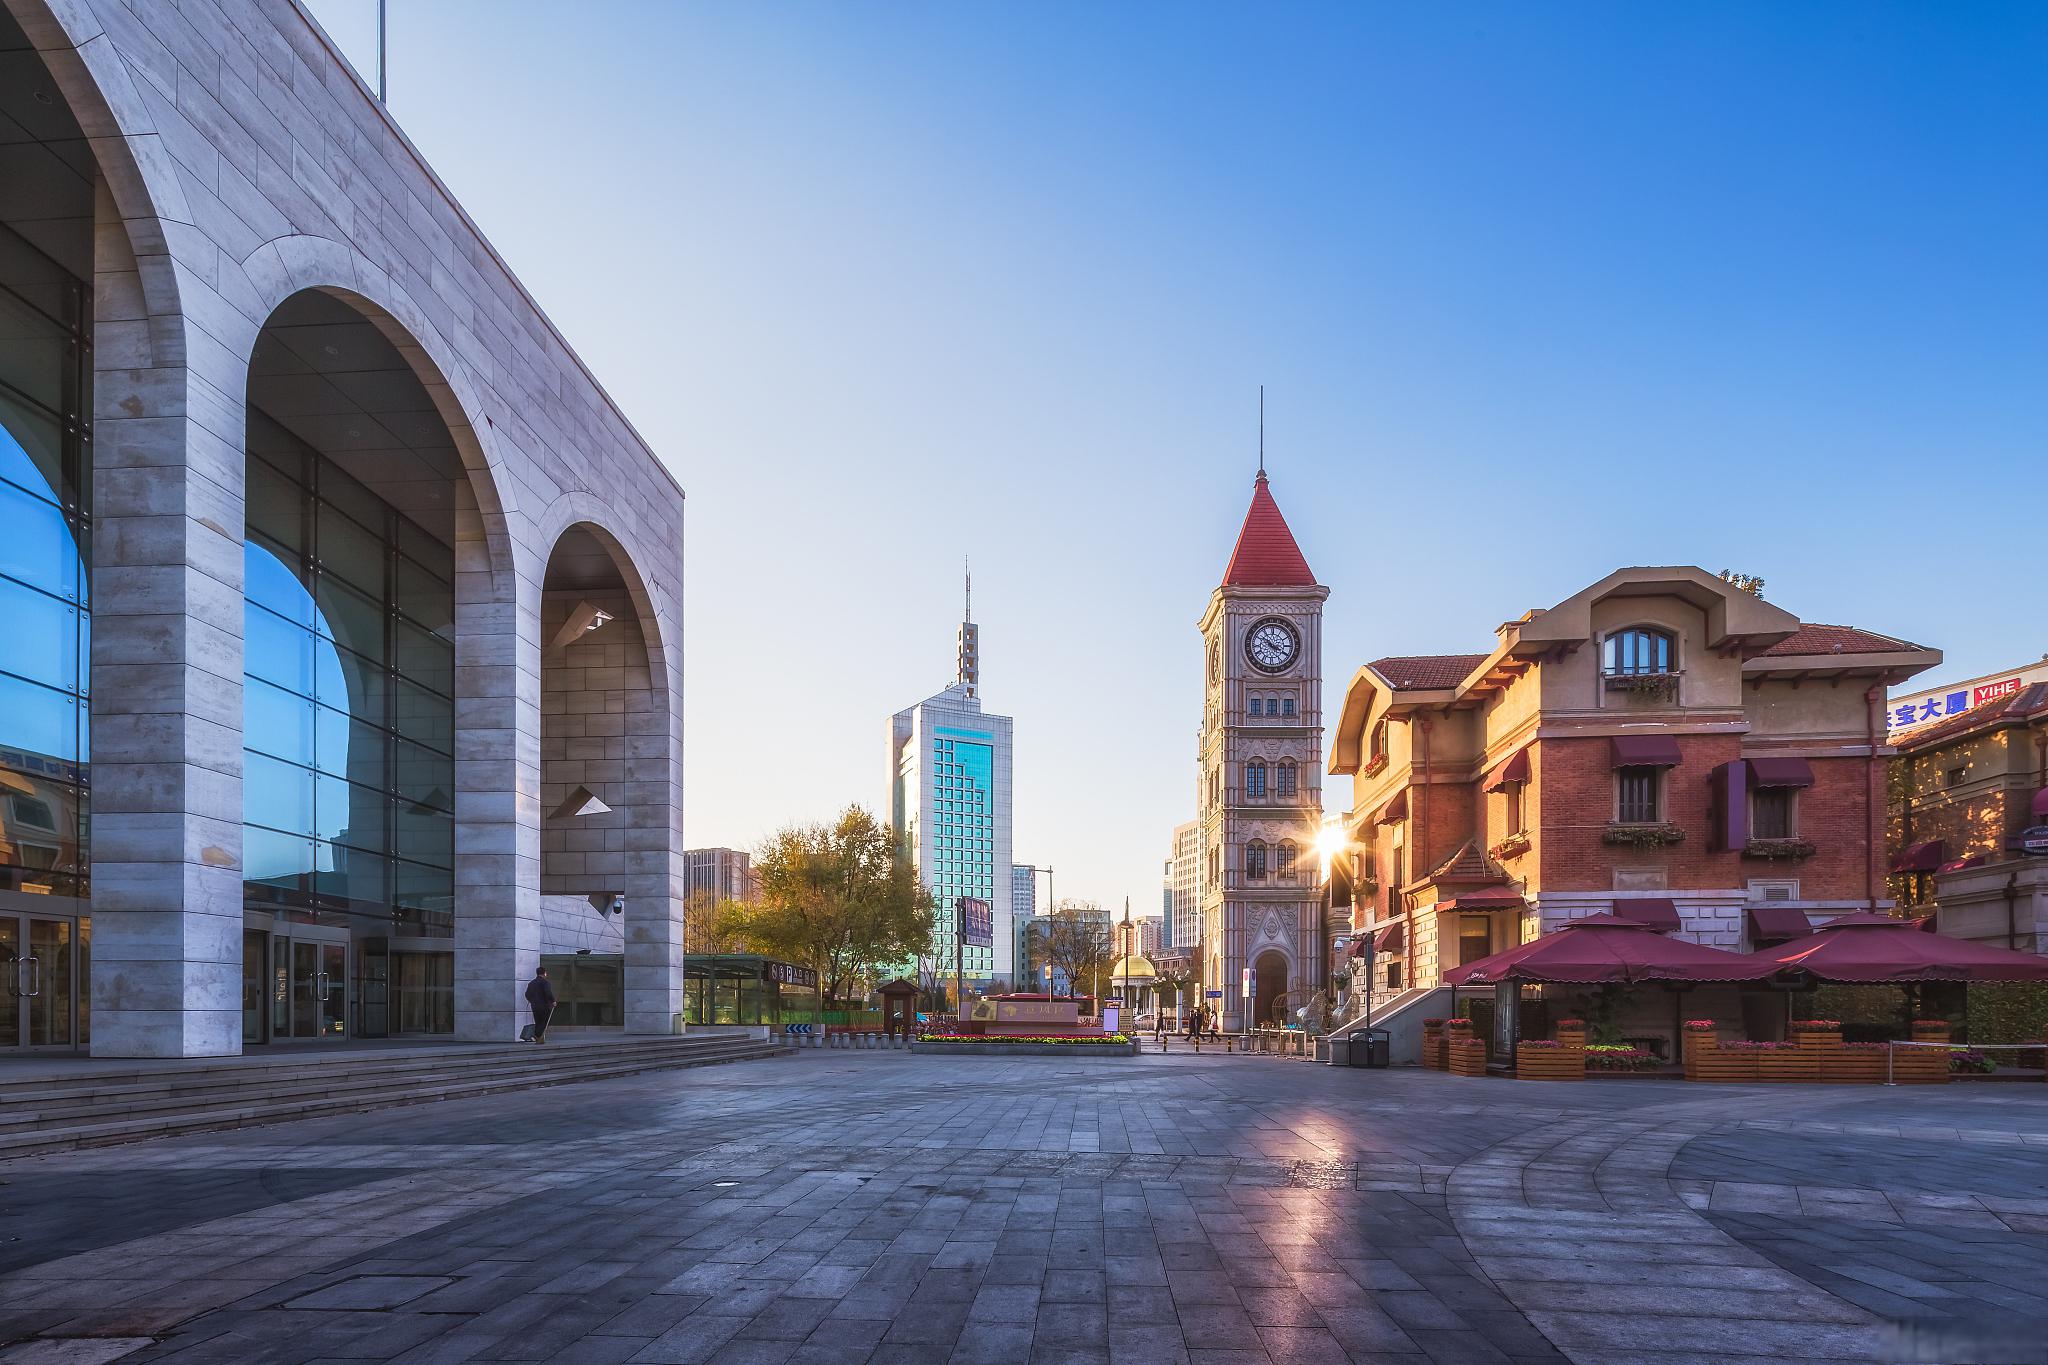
point(1921, 857)
point(1396, 809)
point(1516, 769)
point(1496, 899)
point(1776, 922)
point(1958, 864)
point(1644, 751)
point(1650, 912)
point(1873, 949)
point(1391, 938)
point(1780, 772)
point(1605, 949)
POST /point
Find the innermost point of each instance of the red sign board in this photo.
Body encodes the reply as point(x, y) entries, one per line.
point(2004, 687)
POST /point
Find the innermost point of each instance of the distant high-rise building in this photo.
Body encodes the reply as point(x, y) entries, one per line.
point(725, 874)
point(1166, 904)
point(1185, 918)
point(1023, 891)
point(949, 803)
point(1137, 937)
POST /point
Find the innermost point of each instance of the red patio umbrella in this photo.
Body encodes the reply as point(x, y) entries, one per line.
point(1863, 948)
point(1609, 950)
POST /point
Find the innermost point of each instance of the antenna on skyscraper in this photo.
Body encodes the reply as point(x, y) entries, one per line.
point(1262, 431)
point(968, 570)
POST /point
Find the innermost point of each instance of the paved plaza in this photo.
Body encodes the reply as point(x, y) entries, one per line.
point(840, 1207)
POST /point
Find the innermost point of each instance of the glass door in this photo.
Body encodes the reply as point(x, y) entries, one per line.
point(40, 977)
point(308, 988)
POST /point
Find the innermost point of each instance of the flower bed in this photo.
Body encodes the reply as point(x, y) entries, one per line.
point(1698, 1035)
point(1026, 1045)
point(1969, 1061)
point(1786, 849)
point(1514, 846)
point(1642, 836)
point(1619, 1057)
point(1467, 1055)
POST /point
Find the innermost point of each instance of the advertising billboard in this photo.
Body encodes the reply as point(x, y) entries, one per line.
point(977, 922)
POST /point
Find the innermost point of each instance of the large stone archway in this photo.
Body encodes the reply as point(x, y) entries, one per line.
point(610, 778)
point(1271, 978)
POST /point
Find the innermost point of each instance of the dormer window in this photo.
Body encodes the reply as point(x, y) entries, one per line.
point(1639, 651)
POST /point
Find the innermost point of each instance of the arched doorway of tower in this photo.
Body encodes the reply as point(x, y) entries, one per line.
point(610, 862)
point(358, 492)
point(1269, 987)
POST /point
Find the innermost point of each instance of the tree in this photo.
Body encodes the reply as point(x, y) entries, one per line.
point(1077, 943)
point(1169, 984)
point(713, 924)
point(840, 898)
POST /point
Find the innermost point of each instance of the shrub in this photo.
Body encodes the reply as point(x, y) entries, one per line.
point(1700, 1025)
point(1816, 1025)
point(1432, 1023)
point(1538, 1042)
point(1611, 1058)
point(1969, 1059)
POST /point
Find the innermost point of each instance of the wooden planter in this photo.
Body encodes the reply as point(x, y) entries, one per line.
point(1861, 1067)
point(1433, 1049)
point(1467, 1056)
point(1725, 1064)
point(1824, 1040)
point(1550, 1064)
point(1788, 1065)
point(1691, 1042)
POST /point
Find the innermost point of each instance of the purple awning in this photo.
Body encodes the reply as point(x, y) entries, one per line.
point(1644, 751)
point(1482, 900)
point(1516, 769)
point(2041, 802)
point(1650, 912)
point(1780, 772)
point(1777, 921)
point(1391, 938)
point(1396, 809)
point(1921, 857)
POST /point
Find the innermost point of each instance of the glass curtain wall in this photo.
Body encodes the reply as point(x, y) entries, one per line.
point(348, 769)
point(45, 473)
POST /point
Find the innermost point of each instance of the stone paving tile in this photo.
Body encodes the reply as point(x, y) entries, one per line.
point(1171, 1210)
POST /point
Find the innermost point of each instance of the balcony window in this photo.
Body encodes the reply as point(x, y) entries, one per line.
point(1639, 651)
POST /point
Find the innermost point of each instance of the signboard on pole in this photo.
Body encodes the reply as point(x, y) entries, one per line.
point(1247, 983)
point(977, 922)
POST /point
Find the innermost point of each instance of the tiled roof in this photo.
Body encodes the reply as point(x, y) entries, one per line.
point(1425, 672)
point(1266, 555)
point(1813, 639)
point(1467, 865)
point(2017, 706)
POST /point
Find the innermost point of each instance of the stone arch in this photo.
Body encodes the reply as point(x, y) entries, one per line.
point(611, 761)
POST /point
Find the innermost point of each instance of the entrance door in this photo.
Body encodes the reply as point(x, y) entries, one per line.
point(308, 988)
point(39, 981)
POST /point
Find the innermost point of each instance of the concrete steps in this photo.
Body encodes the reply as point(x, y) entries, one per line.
point(96, 1106)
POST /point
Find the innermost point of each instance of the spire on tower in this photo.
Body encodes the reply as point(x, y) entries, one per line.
point(969, 675)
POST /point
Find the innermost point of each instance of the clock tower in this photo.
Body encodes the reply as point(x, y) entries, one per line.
point(1261, 774)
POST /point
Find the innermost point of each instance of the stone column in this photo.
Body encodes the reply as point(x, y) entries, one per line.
point(166, 658)
point(497, 784)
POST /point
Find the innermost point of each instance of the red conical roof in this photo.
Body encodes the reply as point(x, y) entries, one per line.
point(1266, 555)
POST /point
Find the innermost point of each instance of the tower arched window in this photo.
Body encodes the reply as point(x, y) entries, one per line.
point(1255, 778)
point(1255, 861)
point(1640, 650)
point(1379, 741)
point(1287, 706)
point(1283, 863)
point(1258, 706)
point(1287, 778)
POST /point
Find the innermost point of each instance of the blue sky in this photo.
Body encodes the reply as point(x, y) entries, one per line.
point(1535, 291)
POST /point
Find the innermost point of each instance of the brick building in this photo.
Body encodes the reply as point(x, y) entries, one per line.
point(1662, 745)
point(1963, 789)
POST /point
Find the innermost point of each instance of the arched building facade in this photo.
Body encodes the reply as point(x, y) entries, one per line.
point(310, 491)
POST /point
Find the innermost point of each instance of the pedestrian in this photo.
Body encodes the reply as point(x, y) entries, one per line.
point(540, 995)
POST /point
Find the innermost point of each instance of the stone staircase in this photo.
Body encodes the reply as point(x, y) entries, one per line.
point(49, 1107)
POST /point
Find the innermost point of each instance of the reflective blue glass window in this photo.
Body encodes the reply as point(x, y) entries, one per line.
point(281, 862)
point(270, 578)
point(277, 722)
point(350, 619)
point(276, 795)
point(38, 723)
point(39, 547)
point(41, 636)
point(276, 650)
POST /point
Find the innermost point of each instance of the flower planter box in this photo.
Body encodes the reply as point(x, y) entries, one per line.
point(1433, 1049)
point(1468, 1057)
point(1858, 1067)
point(1550, 1063)
point(1788, 1065)
point(1725, 1064)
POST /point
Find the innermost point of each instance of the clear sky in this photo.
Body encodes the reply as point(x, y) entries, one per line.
point(1536, 291)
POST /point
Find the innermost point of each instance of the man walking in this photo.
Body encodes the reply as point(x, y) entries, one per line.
point(540, 995)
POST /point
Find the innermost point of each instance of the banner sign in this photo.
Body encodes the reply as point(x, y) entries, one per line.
point(977, 922)
point(789, 974)
point(1920, 708)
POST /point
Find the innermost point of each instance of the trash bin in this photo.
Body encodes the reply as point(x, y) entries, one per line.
point(1371, 1047)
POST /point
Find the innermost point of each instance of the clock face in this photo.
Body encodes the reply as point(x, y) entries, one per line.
point(1271, 645)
